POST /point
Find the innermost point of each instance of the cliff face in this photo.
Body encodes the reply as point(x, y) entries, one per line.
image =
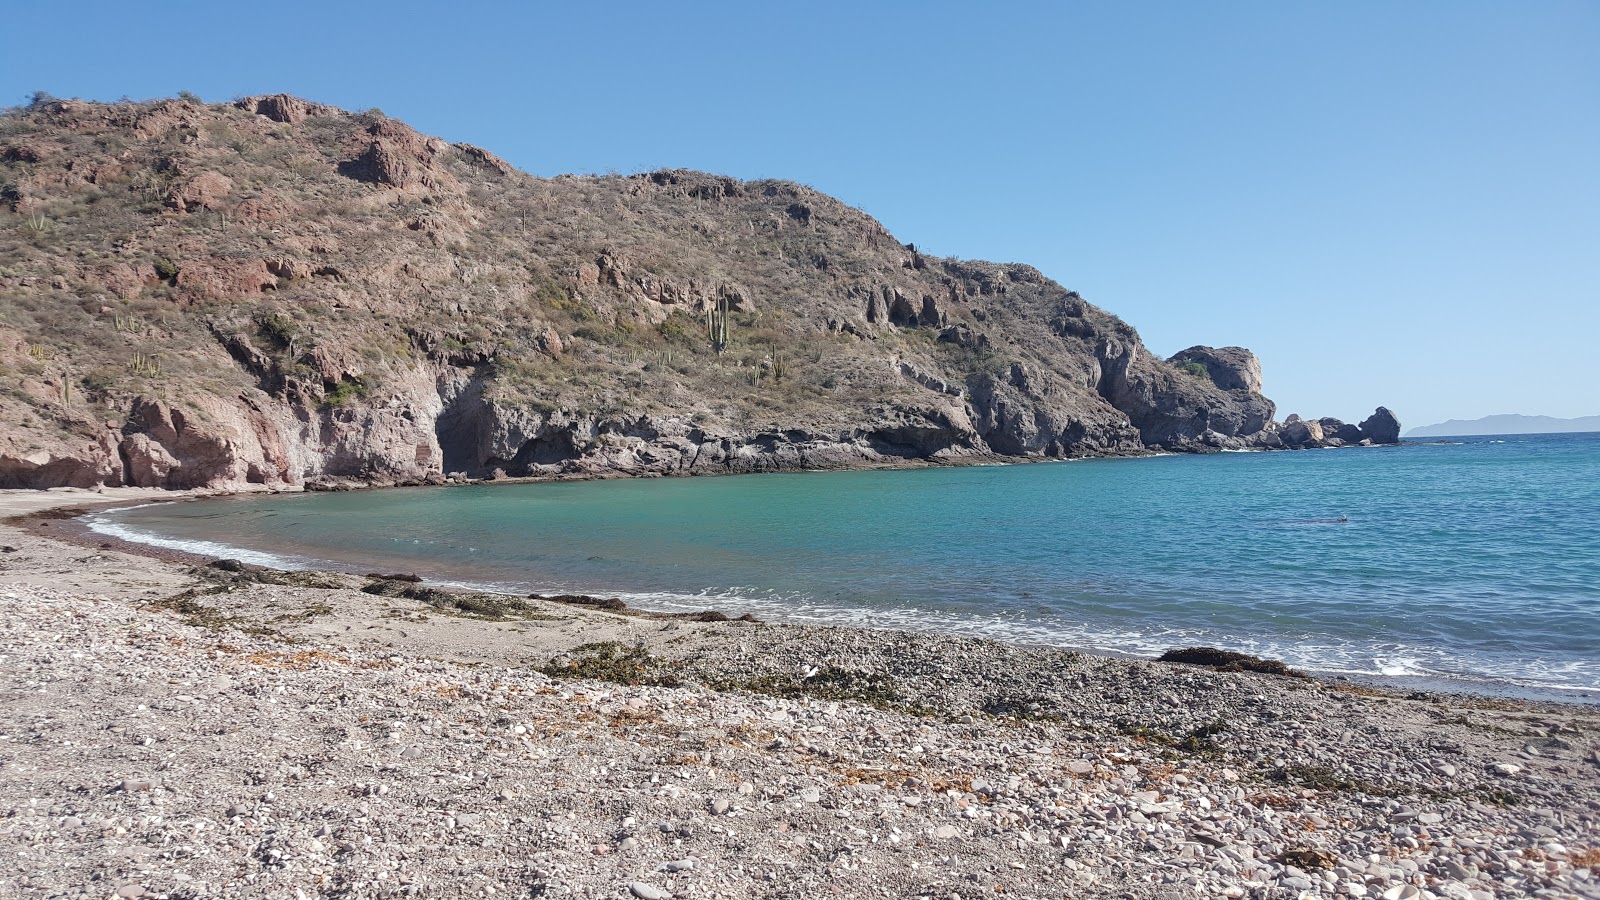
point(277, 292)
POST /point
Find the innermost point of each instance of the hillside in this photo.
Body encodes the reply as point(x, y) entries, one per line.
point(1510, 423)
point(281, 293)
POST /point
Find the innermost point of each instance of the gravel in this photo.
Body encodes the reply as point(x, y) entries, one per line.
point(146, 751)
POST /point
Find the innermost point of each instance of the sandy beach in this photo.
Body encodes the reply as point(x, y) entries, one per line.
point(174, 730)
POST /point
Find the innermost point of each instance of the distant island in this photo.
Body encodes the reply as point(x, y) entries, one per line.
point(1511, 423)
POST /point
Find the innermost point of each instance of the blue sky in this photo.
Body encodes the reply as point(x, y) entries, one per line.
point(1393, 203)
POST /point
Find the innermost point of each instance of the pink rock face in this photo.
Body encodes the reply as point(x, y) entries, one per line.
point(396, 156)
point(284, 108)
point(218, 279)
point(147, 462)
point(550, 342)
point(125, 280)
point(34, 461)
point(207, 190)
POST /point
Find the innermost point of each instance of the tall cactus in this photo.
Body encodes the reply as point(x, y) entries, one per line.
point(717, 324)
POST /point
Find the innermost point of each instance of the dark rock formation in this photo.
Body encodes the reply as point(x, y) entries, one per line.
point(1230, 368)
point(1382, 427)
point(1341, 431)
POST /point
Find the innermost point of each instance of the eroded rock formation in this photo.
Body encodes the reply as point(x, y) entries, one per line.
point(277, 292)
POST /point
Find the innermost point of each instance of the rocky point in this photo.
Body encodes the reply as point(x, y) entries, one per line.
point(279, 293)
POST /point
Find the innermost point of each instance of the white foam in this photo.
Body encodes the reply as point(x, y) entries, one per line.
point(1394, 668)
point(99, 524)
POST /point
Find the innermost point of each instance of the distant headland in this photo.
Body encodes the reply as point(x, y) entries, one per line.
point(1510, 423)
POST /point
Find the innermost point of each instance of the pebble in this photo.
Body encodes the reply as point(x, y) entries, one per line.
point(646, 891)
point(775, 796)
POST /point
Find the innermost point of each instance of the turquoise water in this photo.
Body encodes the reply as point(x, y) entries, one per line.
point(1476, 560)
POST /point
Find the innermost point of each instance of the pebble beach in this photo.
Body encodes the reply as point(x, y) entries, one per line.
point(176, 730)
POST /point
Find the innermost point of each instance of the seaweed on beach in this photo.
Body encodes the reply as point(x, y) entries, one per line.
point(235, 573)
point(1202, 740)
point(474, 604)
point(1028, 708)
point(1199, 741)
point(187, 605)
point(615, 662)
point(831, 683)
point(619, 606)
point(1321, 778)
point(398, 576)
point(609, 604)
point(1229, 661)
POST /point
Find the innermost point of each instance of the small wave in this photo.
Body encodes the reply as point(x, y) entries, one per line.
point(1324, 654)
point(1395, 668)
point(100, 524)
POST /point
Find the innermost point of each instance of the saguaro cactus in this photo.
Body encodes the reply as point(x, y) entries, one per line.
point(717, 324)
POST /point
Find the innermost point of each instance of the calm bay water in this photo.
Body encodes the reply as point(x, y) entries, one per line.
point(1475, 562)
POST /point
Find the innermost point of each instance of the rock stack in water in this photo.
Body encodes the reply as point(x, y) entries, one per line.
point(1382, 427)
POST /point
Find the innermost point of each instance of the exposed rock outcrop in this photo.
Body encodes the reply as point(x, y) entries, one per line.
point(285, 108)
point(1298, 433)
point(1382, 427)
point(1230, 368)
point(1379, 428)
point(350, 301)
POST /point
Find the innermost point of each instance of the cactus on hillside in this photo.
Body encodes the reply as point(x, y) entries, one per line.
point(717, 324)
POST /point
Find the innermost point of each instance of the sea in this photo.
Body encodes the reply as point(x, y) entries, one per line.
point(1468, 564)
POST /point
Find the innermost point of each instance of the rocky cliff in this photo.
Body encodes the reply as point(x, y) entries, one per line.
point(280, 293)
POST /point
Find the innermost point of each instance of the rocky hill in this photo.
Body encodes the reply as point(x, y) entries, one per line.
point(281, 293)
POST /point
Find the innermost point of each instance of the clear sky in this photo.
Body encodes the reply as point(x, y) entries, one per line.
point(1393, 203)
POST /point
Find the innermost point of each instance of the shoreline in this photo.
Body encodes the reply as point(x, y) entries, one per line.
point(55, 522)
point(480, 743)
point(73, 528)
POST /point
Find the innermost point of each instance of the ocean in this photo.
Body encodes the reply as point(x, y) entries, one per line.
point(1468, 563)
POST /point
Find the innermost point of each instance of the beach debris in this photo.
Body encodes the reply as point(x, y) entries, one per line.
point(618, 605)
point(413, 578)
point(1308, 858)
point(1228, 661)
